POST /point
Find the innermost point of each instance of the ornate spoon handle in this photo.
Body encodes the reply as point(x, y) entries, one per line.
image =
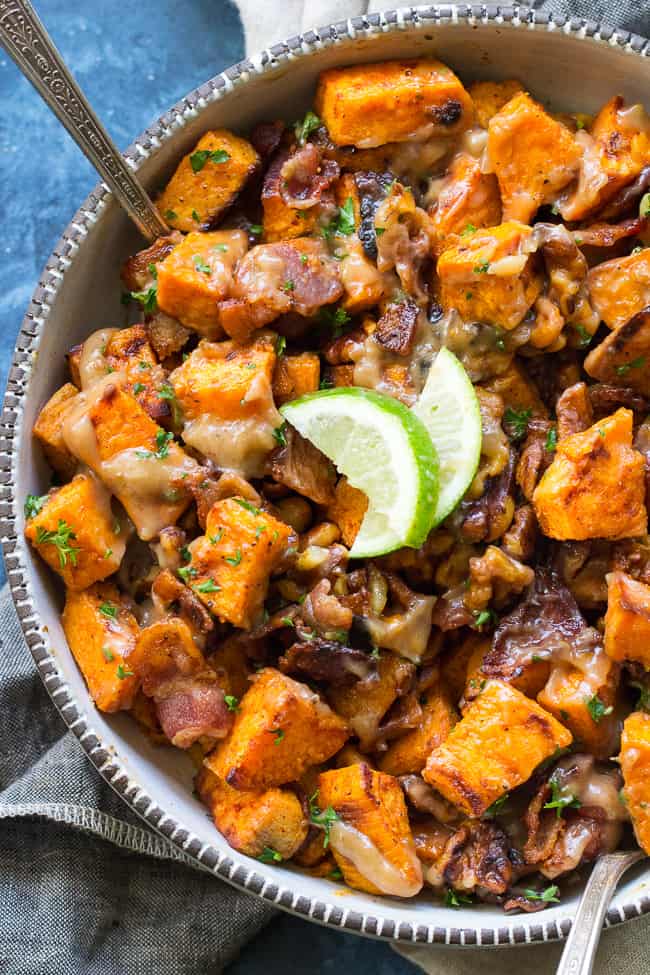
point(581, 945)
point(25, 39)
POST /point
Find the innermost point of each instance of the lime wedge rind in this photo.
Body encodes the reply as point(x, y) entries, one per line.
point(449, 409)
point(385, 451)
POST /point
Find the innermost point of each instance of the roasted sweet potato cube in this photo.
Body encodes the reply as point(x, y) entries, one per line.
point(587, 468)
point(140, 463)
point(281, 728)
point(533, 155)
point(620, 288)
point(232, 666)
point(343, 376)
point(363, 284)
point(165, 650)
point(410, 752)
point(197, 275)
point(496, 746)
point(295, 375)
point(76, 533)
point(347, 510)
point(635, 766)
point(367, 105)
point(371, 804)
point(225, 379)
point(48, 430)
point(280, 220)
point(253, 822)
point(365, 703)
point(623, 357)
point(518, 391)
point(488, 276)
point(627, 621)
point(468, 199)
point(207, 180)
point(455, 661)
point(489, 97)
point(232, 563)
point(587, 707)
point(129, 351)
point(101, 632)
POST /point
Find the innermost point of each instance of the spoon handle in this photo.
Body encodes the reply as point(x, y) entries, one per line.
point(25, 39)
point(582, 943)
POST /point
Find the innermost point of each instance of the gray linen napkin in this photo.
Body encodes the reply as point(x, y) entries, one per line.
point(77, 896)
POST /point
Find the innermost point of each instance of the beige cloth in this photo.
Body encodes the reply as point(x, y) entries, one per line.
point(625, 949)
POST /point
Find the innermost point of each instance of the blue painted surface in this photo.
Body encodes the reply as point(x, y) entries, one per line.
point(133, 61)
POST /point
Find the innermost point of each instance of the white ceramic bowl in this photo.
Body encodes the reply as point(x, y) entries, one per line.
point(575, 65)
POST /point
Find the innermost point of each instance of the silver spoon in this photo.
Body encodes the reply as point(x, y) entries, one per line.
point(582, 943)
point(26, 41)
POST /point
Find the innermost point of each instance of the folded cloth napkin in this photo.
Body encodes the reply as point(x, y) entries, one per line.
point(85, 887)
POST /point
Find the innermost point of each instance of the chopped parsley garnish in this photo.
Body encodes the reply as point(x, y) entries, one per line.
point(269, 855)
point(287, 621)
point(560, 799)
point(517, 421)
point(108, 654)
point(481, 268)
point(635, 364)
point(335, 874)
point(288, 285)
point(643, 704)
point(144, 365)
point(215, 539)
point(279, 735)
point(185, 554)
point(108, 553)
point(304, 128)
point(200, 265)
point(107, 609)
point(279, 435)
point(280, 345)
point(221, 247)
point(343, 222)
point(585, 336)
point(166, 392)
point(123, 672)
point(247, 505)
point(163, 438)
point(376, 653)
point(208, 586)
point(469, 228)
point(549, 896)
point(644, 205)
point(195, 216)
point(326, 382)
point(170, 215)
point(232, 702)
point(148, 298)
point(484, 618)
point(551, 440)
point(257, 229)
point(456, 900)
point(497, 805)
point(324, 817)
point(33, 504)
point(379, 231)
point(597, 709)
point(138, 388)
point(233, 559)
point(61, 539)
point(199, 158)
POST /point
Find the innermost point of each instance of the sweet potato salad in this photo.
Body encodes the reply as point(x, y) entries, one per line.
point(466, 714)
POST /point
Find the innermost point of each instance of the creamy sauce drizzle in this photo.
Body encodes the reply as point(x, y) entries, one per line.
point(372, 864)
point(93, 362)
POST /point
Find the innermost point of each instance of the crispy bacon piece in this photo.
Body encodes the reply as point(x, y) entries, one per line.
point(627, 197)
point(305, 177)
point(303, 468)
point(608, 234)
point(327, 660)
point(273, 279)
point(194, 709)
point(266, 137)
point(477, 858)
point(396, 328)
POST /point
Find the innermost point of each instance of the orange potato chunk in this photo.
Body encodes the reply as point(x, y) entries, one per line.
point(252, 822)
point(382, 859)
point(207, 180)
point(620, 288)
point(281, 728)
point(368, 105)
point(295, 375)
point(232, 563)
point(595, 486)
point(489, 97)
point(623, 357)
point(635, 766)
point(469, 199)
point(76, 533)
point(48, 430)
point(533, 155)
point(518, 391)
point(627, 621)
point(495, 747)
point(348, 509)
point(197, 275)
point(488, 276)
point(410, 752)
point(101, 632)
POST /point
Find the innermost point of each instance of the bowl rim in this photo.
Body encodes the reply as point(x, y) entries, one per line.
point(530, 928)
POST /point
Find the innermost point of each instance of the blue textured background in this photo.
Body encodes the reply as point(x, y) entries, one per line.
point(133, 61)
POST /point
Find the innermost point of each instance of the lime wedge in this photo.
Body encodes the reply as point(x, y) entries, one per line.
point(449, 409)
point(384, 450)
